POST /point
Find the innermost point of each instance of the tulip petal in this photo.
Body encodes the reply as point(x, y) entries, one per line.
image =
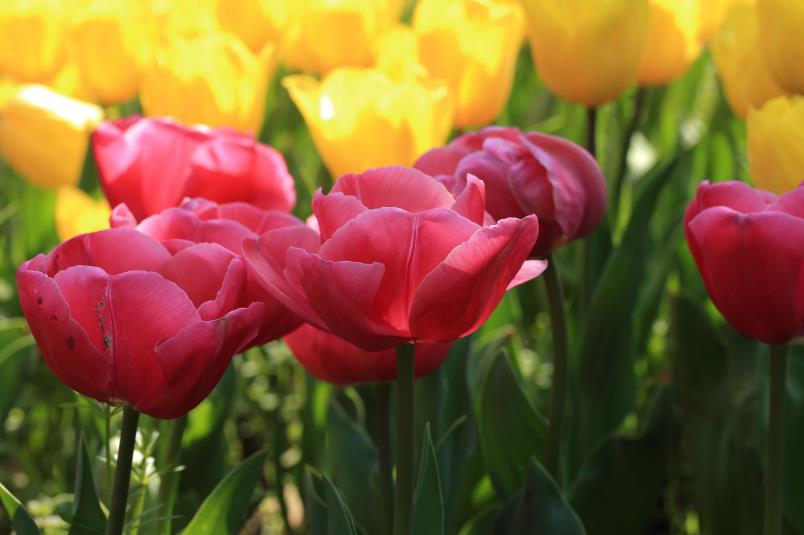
point(460, 294)
point(170, 224)
point(442, 160)
point(529, 271)
point(229, 294)
point(121, 217)
point(398, 186)
point(500, 202)
point(199, 270)
point(471, 202)
point(334, 210)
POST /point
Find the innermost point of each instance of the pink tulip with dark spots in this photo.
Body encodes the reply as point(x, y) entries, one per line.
point(398, 259)
point(123, 319)
point(154, 163)
point(749, 247)
point(527, 173)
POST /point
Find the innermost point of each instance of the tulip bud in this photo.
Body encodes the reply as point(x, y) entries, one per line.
point(33, 38)
point(360, 119)
point(473, 45)
point(782, 41)
point(739, 61)
point(44, 135)
point(213, 80)
point(672, 43)
point(587, 51)
point(775, 151)
point(78, 213)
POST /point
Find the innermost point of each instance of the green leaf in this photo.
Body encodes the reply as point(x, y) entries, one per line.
point(511, 431)
point(794, 439)
point(87, 515)
point(327, 511)
point(539, 508)
point(428, 503)
point(21, 521)
point(225, 509)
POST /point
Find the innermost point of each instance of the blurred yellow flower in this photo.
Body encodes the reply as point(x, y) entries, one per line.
point(213, 80)
point(111, 49)
point(398, 55)
point(672, 43)
point(473, 45)
point(78, 213)
point(44, 135)
point(337, 33)
point(33, 38)
point(587, 51)
point(185, 18)
point(712, 14)
point(781, 36)
point(739, 61)
point(360, 119)
point(257, 22)
point(775, 148)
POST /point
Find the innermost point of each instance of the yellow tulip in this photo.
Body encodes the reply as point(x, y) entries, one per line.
point(672, 43)
point(258, 22)
point(472, 44)
point(360, 119)
point(739, 61)
point(398, 55)
point(111, 49)
point(337, 33)
point(712, 14)
point(33, 36)
point(781, 36)
point(587, 51)
point(44, 135)
point(775, 149)
point(78, 213)
point(185, 18)
point(213, 80)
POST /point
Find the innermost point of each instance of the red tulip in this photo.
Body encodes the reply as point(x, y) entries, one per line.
point(398, 259)
point(335, 360)
point(202, 221)
point(749, 247)
point(120, 318)
point(527, 173)
point(152, 164)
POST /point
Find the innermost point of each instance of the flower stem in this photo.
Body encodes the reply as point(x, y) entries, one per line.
point(558, 391)
point(403, 499)
point(773, 475)
point(169, 483)
point(591, 129)
point(383, 437)
point(122, 473)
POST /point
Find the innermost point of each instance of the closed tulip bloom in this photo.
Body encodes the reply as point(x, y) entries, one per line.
point(740, 63)
point(749, 247)
point(118, 319)
point(398, 259)
point(78, 213)
point(203, 221)
point(258, 22)
point(33, 38)
point(587, 51)
point(473, 45)
point(112, 49)
point(44, 135)
point(782, 41)
point(336, 361)
point(527, 173)
point(152, 164)
point(775, 151)
point(213, 80)
point(361, 119)
point(672, 43)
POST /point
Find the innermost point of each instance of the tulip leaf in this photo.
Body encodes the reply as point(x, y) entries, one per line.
point(21, 521)
point(794, 439)
point(511, 431)
point(87, 515)
point(15, 345)
point(428, 503)
point(225, 509)
point(327, 511)
point(538, 507)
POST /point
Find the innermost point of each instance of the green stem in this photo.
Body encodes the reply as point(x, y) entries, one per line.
point(109, 473)
point(122, 473)
point(558, 391)
point(636, 118)
point(383, 437)
point(591, 130)
point(169, 483)
point(773, 475)
point(403, 498)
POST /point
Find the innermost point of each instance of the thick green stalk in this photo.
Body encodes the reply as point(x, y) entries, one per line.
point(403, 499)
point(558, 392)
point(773, 473)
point(382, 393)
point(591, 130)
point(169, 483)
point(122, 473)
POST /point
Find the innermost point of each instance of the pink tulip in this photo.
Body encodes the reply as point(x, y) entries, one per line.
point(152, 164)
point(122, 319)
point(398, 259)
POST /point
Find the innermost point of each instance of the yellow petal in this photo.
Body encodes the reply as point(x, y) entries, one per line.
point(78, 213)
point(781, 35)
point(33, 38)
point(775, 148)
point(672, 43)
